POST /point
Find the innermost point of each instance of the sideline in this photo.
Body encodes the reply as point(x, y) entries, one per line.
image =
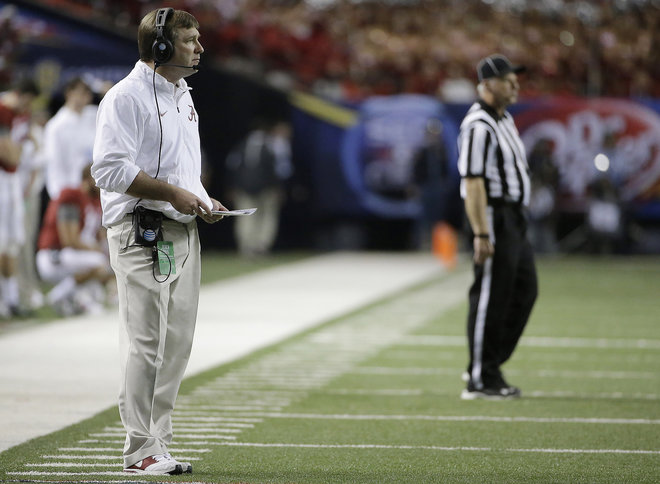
point(55, 375)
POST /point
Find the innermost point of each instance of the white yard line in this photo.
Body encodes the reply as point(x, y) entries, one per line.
point(119, 449)
point(228, 407)
point(115, 457)
point(415, 392)
point(74, 464)
point(463, 418)
point(442, 448)
point(195, 417)
point(539, 341)
point(126, 475)
point(614, 375)
point(197, 435)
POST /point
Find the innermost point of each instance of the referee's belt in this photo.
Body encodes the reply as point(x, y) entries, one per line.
point(501, 202)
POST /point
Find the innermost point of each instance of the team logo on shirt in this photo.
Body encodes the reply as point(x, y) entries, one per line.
point(193, 114)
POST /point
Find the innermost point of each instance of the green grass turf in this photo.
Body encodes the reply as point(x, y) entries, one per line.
point(372, 397)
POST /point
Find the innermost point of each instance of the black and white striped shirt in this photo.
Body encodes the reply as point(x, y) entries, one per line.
point(490, 147)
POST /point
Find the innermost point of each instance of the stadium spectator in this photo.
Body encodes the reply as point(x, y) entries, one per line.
point(15, 108)
point(9, 44)
point(72, 251)
point(257, 168)
point(31, 173)
point(430, 176)
point(69, 138)
point(543, 198)
point(605, 217)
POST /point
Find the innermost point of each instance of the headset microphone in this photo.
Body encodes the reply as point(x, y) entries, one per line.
point(195, 68)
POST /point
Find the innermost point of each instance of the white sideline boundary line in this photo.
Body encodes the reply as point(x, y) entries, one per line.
point(126, 475)
point(459, 418)
point(94, 464)
point(369, 447)
point(614, 375)
point(120, 449)
point(415, 392)
point(538, 342)
point(442, 448)
point(116, 457)
point(74, 464)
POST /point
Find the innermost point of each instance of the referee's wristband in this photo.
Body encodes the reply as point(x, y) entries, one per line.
point(482, 236)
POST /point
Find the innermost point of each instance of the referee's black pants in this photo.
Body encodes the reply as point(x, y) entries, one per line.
point(501, 298)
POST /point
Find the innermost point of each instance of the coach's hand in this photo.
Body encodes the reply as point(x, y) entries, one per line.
point(213, 218)
point(186, 202)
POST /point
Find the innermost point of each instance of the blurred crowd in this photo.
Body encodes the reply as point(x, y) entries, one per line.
point(351, 49)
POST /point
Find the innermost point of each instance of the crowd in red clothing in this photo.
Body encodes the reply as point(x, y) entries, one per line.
point(349, 50)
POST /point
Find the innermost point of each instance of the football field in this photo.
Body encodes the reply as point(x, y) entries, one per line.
point(372, 396)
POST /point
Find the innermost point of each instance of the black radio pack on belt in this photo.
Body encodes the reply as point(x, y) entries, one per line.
point(148, 226)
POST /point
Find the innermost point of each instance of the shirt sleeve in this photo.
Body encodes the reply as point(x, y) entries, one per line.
point(57, 159)
point(119, 131)
point(474, 146)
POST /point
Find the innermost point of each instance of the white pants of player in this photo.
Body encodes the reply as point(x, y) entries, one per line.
point(256, 233)
point(12, 233)
point(156, 333)
point(55, 265)
point(27, 273)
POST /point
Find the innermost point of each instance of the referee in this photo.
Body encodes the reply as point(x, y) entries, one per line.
point(495, 187)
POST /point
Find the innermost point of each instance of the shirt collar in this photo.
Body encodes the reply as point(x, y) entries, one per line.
point(145, 72)
point(490, 110)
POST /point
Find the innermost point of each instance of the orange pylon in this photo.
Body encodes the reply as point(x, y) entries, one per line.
point(445, 244)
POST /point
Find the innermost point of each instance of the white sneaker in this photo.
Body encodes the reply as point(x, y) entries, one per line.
point(186, 467)
point(158, 464)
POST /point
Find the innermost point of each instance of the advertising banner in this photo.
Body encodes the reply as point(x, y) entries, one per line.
point(363, 167)
point(592, 139)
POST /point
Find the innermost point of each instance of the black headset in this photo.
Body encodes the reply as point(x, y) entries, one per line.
point(162, 49)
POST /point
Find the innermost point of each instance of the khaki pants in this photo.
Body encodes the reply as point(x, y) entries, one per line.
point(256, 233)
point(158, 322)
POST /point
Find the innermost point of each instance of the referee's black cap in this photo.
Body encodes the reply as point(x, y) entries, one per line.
point(496, 65)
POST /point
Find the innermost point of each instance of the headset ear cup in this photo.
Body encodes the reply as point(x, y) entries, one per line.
point(162, 50)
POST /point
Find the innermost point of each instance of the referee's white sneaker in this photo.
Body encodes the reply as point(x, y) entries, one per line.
point(159, 464)
point(495, 393)
point(186, 467)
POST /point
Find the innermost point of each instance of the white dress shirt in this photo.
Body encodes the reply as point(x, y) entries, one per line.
point(128, 139)
point(68, 144)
